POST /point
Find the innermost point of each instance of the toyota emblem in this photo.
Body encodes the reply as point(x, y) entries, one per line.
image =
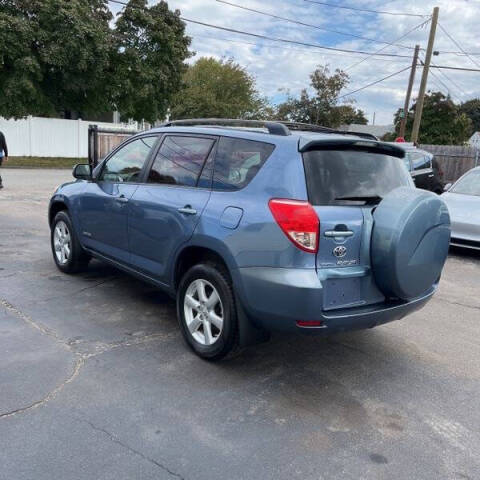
point(340, 251)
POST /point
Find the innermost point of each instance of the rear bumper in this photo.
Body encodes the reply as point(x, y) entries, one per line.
point(276, 298)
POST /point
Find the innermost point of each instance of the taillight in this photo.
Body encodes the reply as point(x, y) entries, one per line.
point(299, 222)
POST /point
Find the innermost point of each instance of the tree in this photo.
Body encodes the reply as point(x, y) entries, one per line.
point(471, 109)
point(221, 89)
point(442, 121)
point(321, 107)
point(148, 63)
point(54, 55)
point(66, 55)
point(346, 115)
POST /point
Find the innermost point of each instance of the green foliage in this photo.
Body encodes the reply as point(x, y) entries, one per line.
point(321, 107)
point(443, 123)
point(220, 89)
point(65, 55)
point(54, 55)
point(43, 162)
point(150, 49)
point(471, 109)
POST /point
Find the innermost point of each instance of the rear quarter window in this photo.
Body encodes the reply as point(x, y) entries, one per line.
point(335, 173)
point(238, 161)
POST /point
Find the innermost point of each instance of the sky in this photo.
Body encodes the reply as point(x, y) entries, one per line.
point(278, 67)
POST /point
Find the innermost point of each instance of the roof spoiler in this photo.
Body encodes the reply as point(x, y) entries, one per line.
point(306, 144)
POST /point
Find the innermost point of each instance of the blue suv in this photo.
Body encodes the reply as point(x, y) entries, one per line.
point(258, 226)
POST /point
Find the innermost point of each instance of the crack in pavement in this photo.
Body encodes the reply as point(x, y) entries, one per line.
point(76, 370)
point(80, 360)
point(37, 326)
point(452, 302)
point(116, 440)
point(76, 292)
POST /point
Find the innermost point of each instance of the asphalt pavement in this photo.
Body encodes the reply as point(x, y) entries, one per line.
point(97, 383)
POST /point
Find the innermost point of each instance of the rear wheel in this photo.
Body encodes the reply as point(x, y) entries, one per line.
point(68, 254)
point(206, 311)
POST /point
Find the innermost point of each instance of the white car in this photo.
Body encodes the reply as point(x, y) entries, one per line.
point(463, 201)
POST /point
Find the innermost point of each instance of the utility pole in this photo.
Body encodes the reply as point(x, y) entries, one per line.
point(403, 122)
point(423, 83)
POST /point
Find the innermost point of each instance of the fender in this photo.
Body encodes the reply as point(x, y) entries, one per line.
point(249, 332)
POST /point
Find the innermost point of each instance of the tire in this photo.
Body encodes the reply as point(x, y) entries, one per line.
point(67, 252)
point(210, 340)
point(410, 241)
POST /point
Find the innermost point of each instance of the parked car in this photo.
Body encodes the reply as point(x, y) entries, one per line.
point(424, 168)
point(463, 201)
point(255, 227)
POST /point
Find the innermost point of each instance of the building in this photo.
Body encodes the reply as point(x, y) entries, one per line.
point(475, 140)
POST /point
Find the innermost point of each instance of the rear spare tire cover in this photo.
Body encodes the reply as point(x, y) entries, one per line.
point(410, 240)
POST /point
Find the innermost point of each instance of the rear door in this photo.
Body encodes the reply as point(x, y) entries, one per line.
point(344, 184)
point(166, 209)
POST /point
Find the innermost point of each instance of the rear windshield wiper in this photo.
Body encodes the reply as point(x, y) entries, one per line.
point(369, 200)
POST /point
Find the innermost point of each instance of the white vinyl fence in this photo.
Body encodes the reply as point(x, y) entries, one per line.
point(50, 137)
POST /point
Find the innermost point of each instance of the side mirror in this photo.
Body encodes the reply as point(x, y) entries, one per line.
point(447, 187)
point(82, 171)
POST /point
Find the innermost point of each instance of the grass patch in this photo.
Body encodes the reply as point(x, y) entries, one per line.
point(42, 162)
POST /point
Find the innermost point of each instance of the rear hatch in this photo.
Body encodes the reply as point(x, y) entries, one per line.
point(345, 182)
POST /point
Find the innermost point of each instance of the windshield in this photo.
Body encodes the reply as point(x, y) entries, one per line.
point(469, 184)
point(344, 176)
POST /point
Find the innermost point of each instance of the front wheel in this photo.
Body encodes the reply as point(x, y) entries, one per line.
point(67, 252)
point(206, 311)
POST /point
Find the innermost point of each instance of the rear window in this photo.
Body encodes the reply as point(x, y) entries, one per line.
point(334, 175)
point(238, 161)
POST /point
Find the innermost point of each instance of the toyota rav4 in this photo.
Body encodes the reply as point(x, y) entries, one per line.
point(258, 226)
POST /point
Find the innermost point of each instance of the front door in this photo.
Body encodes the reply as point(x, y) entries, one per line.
point(105, 202)
point(166, 209)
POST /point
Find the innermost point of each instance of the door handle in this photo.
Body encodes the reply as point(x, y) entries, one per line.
point(431, 175)
point(338, 233)
point(187, 210)
point(122, 199)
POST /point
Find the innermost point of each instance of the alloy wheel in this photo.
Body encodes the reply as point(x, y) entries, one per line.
point(204, 313)
point(62, 242)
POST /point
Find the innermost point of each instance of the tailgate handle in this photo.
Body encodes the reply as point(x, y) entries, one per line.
point(338, 233)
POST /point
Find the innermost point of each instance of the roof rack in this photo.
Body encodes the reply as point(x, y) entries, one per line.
point(274, 127)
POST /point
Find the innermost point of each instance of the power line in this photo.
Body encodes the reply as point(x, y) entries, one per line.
point(432, 65)
point(374, 83)
point(458, 45)
point(312, 45)
point(383, 48)
point(276, 39)
point(441, 83)
point(463, 69)
point(334, 54)
point(366, 10)
point(298, 22)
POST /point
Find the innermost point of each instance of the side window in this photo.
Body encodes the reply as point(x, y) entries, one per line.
point(126, 164)
point(238, 161)
point(420, 161)
point(180, 160)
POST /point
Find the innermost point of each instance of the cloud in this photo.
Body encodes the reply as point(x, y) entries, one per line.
point(277, 65)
